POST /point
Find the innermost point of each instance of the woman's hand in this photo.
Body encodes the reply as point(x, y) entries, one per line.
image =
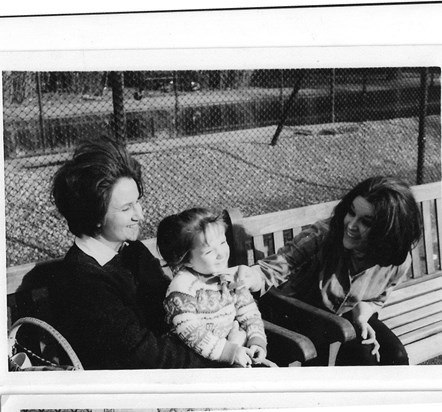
point(251, 277)
point(237, 335)
point(243, 357)
point(362, 312)
point(258, 354)
point(369, 337)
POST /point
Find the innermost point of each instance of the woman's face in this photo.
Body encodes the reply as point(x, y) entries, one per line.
point(123, 216)
point(210, 253)
point(357, 224)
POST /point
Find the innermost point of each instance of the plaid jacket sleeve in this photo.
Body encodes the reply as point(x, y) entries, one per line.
point(279, 267)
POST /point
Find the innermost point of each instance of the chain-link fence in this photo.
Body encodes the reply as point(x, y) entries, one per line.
point(260, 140)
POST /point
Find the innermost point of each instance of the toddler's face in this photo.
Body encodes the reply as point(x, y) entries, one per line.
point(210, 253)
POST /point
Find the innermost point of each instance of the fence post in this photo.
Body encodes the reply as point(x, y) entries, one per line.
point(177, 108)
point(423, 104)
point(119, 120)
point(287, 108)
point(362, 114)
point(333, 94)
point(281, 92)
point(395, 77)
point(40, 111)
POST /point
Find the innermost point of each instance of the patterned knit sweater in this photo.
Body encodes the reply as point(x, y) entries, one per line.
point(201, 311)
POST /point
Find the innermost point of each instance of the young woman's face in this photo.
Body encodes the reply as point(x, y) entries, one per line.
point(123, 216)
point(210, 253)
point(357, 224)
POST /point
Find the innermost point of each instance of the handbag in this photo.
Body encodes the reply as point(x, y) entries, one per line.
point(43, 348)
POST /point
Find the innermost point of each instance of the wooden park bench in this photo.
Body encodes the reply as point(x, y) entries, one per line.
point(413, 311)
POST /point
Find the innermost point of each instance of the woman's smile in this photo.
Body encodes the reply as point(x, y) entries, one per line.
point(357, 224)
point(352, 235)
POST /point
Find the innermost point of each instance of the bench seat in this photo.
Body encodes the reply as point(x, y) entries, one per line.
point(414, 314)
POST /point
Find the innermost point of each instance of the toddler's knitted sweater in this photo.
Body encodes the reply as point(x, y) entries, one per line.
point(202, 309)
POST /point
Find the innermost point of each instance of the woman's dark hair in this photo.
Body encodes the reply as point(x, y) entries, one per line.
point(396, 226)
point(82, 187)
point(176, 234)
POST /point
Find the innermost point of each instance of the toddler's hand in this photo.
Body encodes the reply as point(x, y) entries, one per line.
point(243, 357)
point(258, 354)
point(269, 364)
point(237, 335)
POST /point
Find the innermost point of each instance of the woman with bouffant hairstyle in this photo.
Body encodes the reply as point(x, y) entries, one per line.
point(82, 187)
point(108, 297)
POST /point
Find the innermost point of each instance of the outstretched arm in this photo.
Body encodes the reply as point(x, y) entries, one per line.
point(274, 270)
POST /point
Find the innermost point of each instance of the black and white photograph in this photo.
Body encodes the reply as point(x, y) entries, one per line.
point(221, 212)
point(221, 154)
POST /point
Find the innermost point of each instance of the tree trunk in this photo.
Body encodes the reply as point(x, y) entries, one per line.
point(242, 78)
point(92, 83)
point(203, 79)
point(21, 85)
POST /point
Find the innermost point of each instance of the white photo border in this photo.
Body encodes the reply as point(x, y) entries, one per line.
point(248, 402)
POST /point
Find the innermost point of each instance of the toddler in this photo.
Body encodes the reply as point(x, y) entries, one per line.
point(205, 298)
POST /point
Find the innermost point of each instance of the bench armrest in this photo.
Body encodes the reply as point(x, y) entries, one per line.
point(317, 324)
point(285, 346)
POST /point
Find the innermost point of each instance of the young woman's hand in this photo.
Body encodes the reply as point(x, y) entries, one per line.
point(368, 336)
point(251, 277)
point(243, 357)
point(362, 312)
point(258, 354)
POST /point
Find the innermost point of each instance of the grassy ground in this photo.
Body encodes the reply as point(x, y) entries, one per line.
point(310, 164)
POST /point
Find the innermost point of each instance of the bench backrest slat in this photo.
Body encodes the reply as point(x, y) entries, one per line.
point(428, 191)
point(279, 239)
point(438, 215)
point(416, 266)
point(424, 262)
point(259, 246)
point(272, 222)
point(428, 235)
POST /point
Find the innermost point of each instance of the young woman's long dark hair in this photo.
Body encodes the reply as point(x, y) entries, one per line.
point(395, 229)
